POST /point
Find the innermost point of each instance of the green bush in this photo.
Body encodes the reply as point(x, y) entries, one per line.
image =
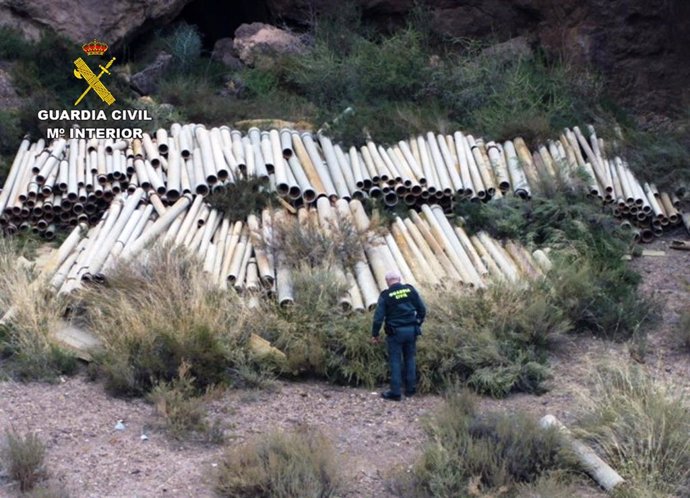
point(243, 198)
point(184, 44)
point(23, 459)
point(590, 283)
point(301, 464)
point(318, 337)
point(640, 427)
point(494, 340)
point(479, 454)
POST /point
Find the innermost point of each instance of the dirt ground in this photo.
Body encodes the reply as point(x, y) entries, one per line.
point(86, 455)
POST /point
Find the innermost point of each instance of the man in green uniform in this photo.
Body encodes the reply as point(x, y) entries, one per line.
point(404, 312)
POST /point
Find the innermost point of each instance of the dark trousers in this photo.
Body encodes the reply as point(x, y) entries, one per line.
point(402, 347)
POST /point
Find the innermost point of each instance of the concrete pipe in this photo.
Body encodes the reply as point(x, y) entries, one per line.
point(599, 470)
point(500, 256)
point(307, 165)
point(150, 151)
point(203, 139)
point(413, 256)
point(267, 152)
point(158, 227)
point(436, 244)
point(494, 270)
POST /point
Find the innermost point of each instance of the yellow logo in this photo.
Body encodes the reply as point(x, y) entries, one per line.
point(83, 71)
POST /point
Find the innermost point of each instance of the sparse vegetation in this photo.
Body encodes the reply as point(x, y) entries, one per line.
point(181, 409)
point(32, 314)
point(156, 315)
point(473, 454)
point(300, 464)
point(23, 459)
point(640, 427)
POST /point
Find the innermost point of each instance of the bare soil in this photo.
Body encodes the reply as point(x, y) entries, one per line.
point(376, 438)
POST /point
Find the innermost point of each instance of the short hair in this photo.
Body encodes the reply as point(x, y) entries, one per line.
point(393, 276)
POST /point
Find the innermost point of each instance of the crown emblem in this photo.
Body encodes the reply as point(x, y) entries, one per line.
point(95, 48)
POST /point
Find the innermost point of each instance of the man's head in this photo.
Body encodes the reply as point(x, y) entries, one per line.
point(392, 277)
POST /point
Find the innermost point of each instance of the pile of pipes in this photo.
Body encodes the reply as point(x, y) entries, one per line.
point(70, 182)
point(425, 248)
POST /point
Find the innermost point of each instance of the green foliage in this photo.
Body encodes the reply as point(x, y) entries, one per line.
point(242, 198)
point(184, 44)
point(590, 283)
point(318, 337)
point(494, 340)
point(12, 44)
point(10, 137)
point(157, 315)
point(300, 464)
point(473, 454)
point(640, 427)
point(23, 458)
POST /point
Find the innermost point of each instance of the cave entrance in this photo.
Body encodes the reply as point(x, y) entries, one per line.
point(219, 19)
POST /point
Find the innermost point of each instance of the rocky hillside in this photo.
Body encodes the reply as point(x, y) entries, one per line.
point(638, 45)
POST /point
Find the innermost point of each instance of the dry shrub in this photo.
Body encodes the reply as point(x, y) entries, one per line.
point(159, 312)
point(176, 403)
point(640, 427)
point(23, 459)
point(485, 454)
point(32, 312)
point(300, 464)
point(306, 242)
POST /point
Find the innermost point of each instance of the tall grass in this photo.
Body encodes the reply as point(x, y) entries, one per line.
point(486, 454)
point(640, 426)
point(299, 464)
point(32, 315)
point(156, 314)
point(23, 458)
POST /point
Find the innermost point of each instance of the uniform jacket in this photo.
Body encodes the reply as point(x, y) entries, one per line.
point(400, 306)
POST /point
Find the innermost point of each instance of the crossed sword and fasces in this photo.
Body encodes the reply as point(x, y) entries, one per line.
point(84, 71)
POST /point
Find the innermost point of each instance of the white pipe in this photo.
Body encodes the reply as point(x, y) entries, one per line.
point(319, 166)
point(334, 167)
point(207, 157)
point(600, 471)
point(157, 228)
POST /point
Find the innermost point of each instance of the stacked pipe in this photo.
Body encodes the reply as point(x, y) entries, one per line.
point(425, 248)
point(67, 182)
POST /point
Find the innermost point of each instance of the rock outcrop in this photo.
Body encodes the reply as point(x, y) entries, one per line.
point(258, 41)
point(224, 52)
point(84, 20)
point(146, 81)
point(638, 45)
